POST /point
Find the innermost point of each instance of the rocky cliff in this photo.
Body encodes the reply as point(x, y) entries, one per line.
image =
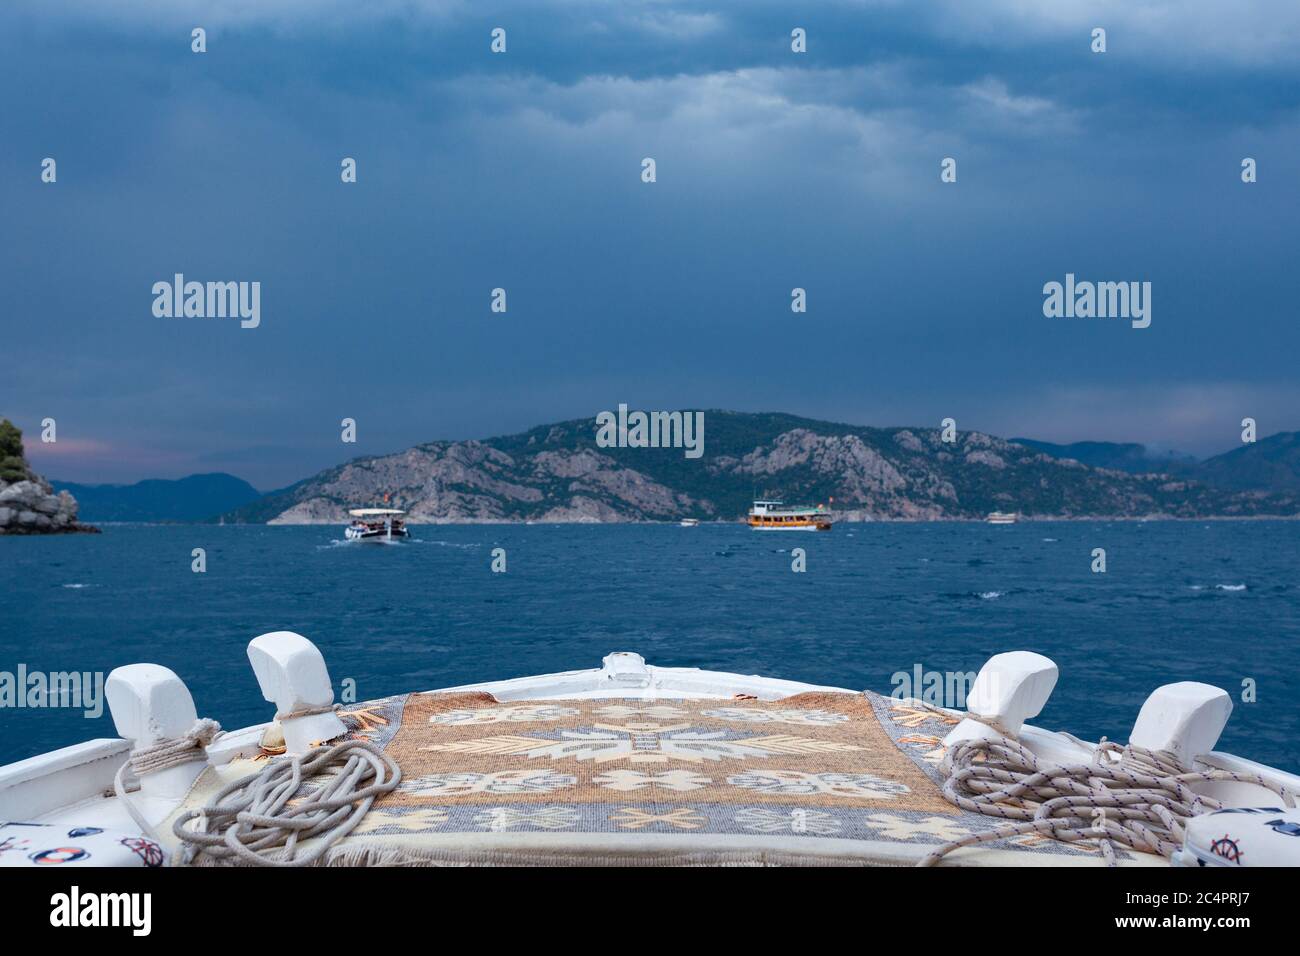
point(28, 505)
point(556, 473)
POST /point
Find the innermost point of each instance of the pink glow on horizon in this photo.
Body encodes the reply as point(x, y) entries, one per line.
point(88, 461)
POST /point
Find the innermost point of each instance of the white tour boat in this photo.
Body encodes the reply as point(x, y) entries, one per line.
point(630, 763)
point(690, 522)
point(1002, 517)
point(375, 524)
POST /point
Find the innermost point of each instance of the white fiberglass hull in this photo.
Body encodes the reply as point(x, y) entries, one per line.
point(353, 535)
point(74, 787)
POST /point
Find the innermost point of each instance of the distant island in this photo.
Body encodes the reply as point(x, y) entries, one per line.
point(183, 500)
point(557, 473)
point(28, 504)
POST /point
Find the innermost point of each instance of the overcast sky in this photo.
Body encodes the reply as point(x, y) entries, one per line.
point(523, 171)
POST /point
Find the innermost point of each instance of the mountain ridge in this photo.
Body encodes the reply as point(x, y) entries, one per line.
point(1132, 457)
point(1272, 462)
point(556, 473)
point(194, 498)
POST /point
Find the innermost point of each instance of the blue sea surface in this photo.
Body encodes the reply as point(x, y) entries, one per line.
point(1215, 601)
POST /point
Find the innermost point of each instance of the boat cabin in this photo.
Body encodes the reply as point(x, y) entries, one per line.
point(375, 523)
point(776, 515)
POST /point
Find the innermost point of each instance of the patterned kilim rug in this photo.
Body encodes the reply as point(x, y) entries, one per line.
point(815, 778)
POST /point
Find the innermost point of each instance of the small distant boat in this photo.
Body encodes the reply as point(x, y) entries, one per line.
point(776, 516)
point(689, 522)
point(375, 524)
point(1002, 517)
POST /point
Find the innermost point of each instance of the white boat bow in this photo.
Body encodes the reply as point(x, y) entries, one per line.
point(74, 786)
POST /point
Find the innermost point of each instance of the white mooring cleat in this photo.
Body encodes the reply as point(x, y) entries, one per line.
point(1184, 718)
point(1009, 689)
point(150, 704)
point(292, 674)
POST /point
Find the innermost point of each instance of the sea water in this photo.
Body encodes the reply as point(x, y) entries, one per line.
point(1213, 601)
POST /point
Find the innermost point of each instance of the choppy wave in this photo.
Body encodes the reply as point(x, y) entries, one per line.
point(976, 595)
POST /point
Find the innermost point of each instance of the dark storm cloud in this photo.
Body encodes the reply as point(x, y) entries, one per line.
point(521, 171)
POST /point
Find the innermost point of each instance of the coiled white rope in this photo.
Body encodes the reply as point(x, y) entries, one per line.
point(1130, 796)
point(257, 820)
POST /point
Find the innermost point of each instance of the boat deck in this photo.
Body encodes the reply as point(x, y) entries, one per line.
point(623, 764)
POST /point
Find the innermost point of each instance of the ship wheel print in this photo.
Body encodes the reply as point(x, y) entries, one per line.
point(1227, 848)
point(148, 851)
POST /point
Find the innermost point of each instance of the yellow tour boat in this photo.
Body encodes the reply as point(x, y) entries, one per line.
point(776, 516)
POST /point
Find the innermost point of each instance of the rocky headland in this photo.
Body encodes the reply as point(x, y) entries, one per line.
point(28, 505)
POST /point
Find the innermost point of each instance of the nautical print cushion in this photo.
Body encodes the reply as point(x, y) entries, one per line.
point(39, 844)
